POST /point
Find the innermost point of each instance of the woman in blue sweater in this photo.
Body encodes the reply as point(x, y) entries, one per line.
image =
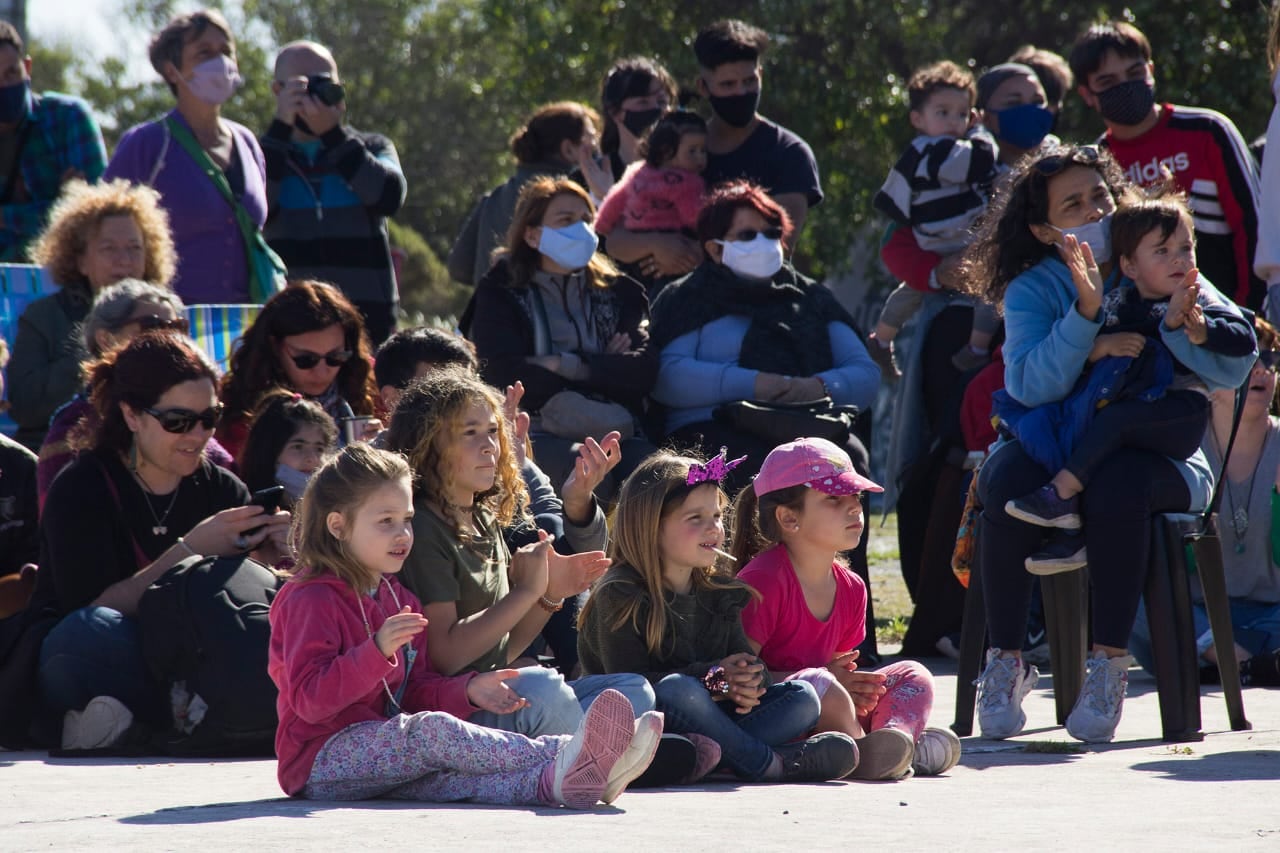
point(1051, 326)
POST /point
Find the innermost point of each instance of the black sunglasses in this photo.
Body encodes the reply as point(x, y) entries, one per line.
point(746, 235)
point(1085, 155)
point(1269, 358)
point(184, 420)
point(153, 321)
point(308, 360)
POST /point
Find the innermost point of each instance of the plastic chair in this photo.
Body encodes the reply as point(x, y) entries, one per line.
point(1167, 597)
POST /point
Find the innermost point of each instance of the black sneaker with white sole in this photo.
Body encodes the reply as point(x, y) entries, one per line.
point(1063, 552)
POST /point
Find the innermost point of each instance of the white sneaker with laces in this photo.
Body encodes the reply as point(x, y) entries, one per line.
point(1001, 688)
point(101, 724)
point(937, 751)
point(1097, 711)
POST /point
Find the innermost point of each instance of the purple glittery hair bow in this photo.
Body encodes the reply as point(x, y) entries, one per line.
point(715, 470)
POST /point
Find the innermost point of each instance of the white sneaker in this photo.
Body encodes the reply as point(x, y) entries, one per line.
point(937, 751)
point(1097, 710)
point(1001, 688)
point(637, 757)
point(101, 724)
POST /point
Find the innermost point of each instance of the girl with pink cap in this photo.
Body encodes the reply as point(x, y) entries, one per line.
point(802, 512)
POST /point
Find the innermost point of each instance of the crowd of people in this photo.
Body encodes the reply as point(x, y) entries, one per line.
point(610, 532)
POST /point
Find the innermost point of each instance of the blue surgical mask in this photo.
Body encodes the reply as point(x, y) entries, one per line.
point(13, 102)
point(1097, 235)
point(293, 480)
point(759, 258)
point(571, 246)
point(1025, 125)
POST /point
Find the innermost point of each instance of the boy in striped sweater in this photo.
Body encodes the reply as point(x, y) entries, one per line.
point(938, 187)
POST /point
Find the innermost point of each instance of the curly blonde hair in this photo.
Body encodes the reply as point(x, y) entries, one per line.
point(423, 428)
point(78, 214)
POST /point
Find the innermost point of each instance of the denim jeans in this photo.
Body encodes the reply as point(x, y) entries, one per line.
point(786, 711)
point(96, 651)
point(1256, 625)
point(556, 706)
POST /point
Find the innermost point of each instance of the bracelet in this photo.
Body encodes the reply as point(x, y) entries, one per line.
point(186, 547)
point(716, 682)
point(549, 605)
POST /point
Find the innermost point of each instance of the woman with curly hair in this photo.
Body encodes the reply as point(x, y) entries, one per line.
point(484, 605)
point(97, 235)
point(1055, 209)
point(310, 339)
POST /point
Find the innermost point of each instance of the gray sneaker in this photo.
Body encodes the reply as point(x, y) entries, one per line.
point(1097, 710)
point(821, 758)
point(101, 724)
point(1001, 688)
point(883, 754)
point(937, 751)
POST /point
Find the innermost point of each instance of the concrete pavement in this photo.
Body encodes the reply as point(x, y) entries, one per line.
point(1135, 794)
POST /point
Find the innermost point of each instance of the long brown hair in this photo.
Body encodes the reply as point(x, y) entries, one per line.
point(423, 429)
point(341, 485)
point(303, 306)
point(755, 520)
point(655, 489)
point(531, 208)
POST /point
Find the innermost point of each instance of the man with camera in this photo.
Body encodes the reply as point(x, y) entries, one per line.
point(330, 187)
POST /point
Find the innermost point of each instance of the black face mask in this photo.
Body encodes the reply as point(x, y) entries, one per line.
point(1127, 103)
point(736, 110)
point(639, 121)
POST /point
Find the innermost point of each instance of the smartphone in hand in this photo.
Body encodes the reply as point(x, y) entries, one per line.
point(269, 500)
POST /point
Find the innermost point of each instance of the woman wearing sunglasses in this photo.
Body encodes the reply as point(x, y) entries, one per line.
point(1249, 524)
point(1017, 263)
point(554, 314)
point(97, 235)
point(744, 325)
point(141, 497)
point(120, 313)
point(308, 339)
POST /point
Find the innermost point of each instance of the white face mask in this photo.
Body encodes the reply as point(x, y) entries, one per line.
point(570, 247)
point(759, 258)
point(1097, 235)
point(215, 81)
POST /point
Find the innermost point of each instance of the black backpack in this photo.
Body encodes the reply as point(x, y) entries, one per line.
point(205, 623)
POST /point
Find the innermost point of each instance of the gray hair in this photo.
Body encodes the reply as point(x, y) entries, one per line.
point(114, 305)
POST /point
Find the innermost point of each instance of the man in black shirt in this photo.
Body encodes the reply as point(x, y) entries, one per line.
point(741, 143)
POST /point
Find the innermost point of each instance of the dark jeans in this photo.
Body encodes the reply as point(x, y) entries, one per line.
point(1117, 508)
point(96, 651)
point(1170, 426)
point(786, 711)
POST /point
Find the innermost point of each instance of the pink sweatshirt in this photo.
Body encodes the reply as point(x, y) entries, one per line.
point(329, 670)
point(651, 199)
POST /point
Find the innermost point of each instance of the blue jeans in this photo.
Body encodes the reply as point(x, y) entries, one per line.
point(556, 706)
point(96, 651)
point(786, 711)
point(1256, 625)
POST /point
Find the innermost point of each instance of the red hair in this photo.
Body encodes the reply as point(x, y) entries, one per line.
point(716, 217)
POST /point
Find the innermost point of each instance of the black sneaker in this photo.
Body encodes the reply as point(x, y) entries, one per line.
point(1064, 552)
point(821, 758)
point(1261, 670)
point(1044, 508)
point(675, 759)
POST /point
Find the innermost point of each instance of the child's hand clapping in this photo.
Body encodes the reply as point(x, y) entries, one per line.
point(1197, 328)
point(568, 576)
point(528, 568)
point(398, 630)
point(1183, 300)
point(489, 691)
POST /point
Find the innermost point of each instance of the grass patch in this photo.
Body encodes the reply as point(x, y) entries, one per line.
point(892, 602)
point(1054, 747)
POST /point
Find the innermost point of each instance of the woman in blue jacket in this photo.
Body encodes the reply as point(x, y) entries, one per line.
point(1051, 325)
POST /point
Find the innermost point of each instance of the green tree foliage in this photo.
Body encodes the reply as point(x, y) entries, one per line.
point(450, 80)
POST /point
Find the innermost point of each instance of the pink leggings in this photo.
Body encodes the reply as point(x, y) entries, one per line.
point(907, 701)
point(432, 757)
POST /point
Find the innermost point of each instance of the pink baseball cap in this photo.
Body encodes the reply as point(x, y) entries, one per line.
point(812, 462)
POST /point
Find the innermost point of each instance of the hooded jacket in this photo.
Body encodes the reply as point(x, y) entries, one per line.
point(330, 672)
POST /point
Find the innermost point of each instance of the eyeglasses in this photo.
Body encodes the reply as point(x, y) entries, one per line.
point(1085, 155)
point(308, 360)
point(746, 235)
point(154, 321)
point(1269, 359)
point(180, 421)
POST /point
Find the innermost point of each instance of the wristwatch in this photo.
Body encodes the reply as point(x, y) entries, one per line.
point(716, 682)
